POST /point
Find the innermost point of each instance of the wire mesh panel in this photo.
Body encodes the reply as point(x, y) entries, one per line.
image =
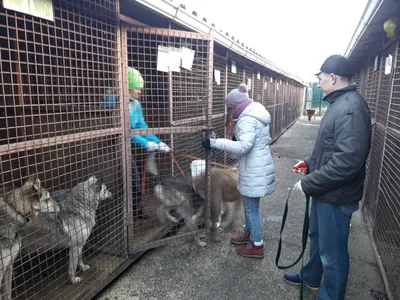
point(258, 92)
point(219, 107)
point(364, 81)
point(372, 177)
point(57, 122)
point(386, 230)
point(271, 111)
point(279, 108)
point(175, 106)
point(371, 91)
point(269, 91)
point(357, 81)
point(394, 110)
point(219, 86)
point(235, 75)
point(385, 88)
point(249, 80)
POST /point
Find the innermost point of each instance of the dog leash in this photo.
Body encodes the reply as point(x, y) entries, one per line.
point(197, 158)
point(177, 164)
point(304, 237)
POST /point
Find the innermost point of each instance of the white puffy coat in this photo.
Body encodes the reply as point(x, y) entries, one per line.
point(256, 167)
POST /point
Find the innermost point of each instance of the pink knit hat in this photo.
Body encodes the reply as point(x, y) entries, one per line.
point(237, 96)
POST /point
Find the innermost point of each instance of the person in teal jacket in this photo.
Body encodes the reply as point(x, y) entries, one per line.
point(150, 142)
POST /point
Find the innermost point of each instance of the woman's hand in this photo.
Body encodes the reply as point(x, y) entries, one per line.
point(206, 144)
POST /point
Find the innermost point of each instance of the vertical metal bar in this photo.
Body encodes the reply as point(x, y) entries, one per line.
point(276, 107)
point(208, 124)
point(20, 111)
point(225, 109)
point(253, 85)
point(171, 115)
point(262, 90)
point(124, 105)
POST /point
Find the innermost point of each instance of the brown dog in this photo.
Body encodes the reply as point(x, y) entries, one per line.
point(223, 191)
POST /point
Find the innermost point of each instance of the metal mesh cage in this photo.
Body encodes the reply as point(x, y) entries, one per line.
point(381, 186)
point(394, 110)
point(234, 79)
point(269, 93)
point(249, 80)
point(385, 88)
point(372, 178)
point(56, 80)
point(258, 92)
point(371, 91)
point(386, 230)
point(364, 81)
point(176, 106)
point(219, 107)
point(69, 112)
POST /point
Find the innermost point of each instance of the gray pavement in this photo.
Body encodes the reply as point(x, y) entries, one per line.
point(185, 271)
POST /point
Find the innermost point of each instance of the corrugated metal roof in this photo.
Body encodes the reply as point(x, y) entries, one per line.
point(179, 14)
point(371, 37)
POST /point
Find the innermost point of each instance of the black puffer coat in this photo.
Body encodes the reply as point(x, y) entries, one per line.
point(337, 164)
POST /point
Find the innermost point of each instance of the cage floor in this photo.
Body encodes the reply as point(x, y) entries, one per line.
point(57, 285)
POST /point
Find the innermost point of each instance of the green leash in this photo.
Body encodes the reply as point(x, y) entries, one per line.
point(304, 237)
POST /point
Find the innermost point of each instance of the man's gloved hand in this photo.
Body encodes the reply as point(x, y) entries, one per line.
point(298, 187)
point(300, 167)
point(151, 147)
point(164, 147)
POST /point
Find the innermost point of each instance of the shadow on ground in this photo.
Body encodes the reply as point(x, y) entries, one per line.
point(184, 271)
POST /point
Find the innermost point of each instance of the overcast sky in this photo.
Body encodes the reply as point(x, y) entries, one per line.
point(296, 35)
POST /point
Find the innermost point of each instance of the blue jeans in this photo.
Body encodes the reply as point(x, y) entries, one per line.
point(252, 218)
point(329, 235)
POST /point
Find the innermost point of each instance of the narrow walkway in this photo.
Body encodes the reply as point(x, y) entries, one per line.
point(184, 271)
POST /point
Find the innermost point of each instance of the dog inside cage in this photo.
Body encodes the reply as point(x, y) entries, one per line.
point(100, 155)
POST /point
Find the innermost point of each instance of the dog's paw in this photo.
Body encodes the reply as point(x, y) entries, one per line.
point(85, 267)
point(76, 280)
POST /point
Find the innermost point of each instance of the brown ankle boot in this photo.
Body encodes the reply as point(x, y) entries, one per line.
point(251, 251)
point(243, 239)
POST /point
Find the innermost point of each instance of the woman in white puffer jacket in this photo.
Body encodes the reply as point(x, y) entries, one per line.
point(256, 168)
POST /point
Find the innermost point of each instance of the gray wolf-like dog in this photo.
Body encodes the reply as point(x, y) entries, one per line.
point(16, 209)
point(177, 195)
point(77, 218)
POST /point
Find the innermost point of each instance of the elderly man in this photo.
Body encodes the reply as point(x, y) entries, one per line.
point(334, 178)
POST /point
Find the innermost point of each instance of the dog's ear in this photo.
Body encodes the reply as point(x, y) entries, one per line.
point(98, 188)
point(213, 135)
point(100, 177)
point(92, 182)
point(33, 181)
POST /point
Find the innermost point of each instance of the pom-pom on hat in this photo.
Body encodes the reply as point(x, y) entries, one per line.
point(237, 96)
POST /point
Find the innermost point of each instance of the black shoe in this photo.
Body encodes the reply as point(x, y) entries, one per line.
point(296, 280)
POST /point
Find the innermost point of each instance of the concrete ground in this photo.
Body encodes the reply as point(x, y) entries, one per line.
point(185, 271)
